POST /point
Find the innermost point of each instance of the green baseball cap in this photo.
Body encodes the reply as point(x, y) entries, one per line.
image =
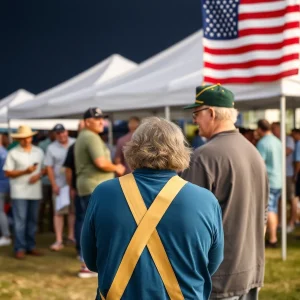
point(213, 95)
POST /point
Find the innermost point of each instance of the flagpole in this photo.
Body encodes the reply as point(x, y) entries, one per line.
point(283, 191)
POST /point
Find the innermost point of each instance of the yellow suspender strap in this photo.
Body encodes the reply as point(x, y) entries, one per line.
point(146, 234)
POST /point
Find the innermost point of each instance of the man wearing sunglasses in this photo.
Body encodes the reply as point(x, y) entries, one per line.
point(230, 167)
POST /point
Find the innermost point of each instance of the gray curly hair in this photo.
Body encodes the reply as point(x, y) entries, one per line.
point(158, 144)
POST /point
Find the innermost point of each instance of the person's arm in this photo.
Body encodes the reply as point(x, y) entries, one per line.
point(297, 160)
point(18, 173)
point(107, 166)
point(69, 176)
point(118, 154)
point(49, 163)
point(9, 168)
point(51, 176)
point(290, 145)
point(262, 150)
point(88, 236)
point(68, 164)
point(96, 150)
point(216, 252)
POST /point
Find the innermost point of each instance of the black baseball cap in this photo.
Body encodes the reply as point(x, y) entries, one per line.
point(59, 128)
point(94, 112)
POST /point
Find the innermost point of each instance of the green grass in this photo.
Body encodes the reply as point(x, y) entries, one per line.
point(53, 277)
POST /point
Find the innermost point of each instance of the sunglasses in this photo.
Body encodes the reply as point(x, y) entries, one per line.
point(195, 113)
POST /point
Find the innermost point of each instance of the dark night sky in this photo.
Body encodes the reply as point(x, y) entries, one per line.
point(46, 42)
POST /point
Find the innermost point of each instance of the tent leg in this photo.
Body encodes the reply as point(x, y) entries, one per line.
point(9, 131)
point(110, 133)
point(168, 113)
point(283, 193)
point(294, 118)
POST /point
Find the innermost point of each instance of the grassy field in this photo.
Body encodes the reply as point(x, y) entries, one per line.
point(53, 277)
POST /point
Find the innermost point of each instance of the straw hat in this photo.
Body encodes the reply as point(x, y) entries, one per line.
point(23, 132)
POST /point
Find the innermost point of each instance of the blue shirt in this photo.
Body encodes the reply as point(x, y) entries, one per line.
point(197, 142)
point(191, 232)
point(4, 181)
point(290, 143)
point(270, 149)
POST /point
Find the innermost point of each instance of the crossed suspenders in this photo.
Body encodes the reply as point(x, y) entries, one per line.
point(146, 235)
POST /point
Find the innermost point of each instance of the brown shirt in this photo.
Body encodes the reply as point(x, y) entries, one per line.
point(231, 167)
point(119, 152)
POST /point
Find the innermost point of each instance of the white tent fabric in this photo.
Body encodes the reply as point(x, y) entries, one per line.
point(248, 96)
point(44, 124)
point(110, 68)
point(153, 74)
point(14, 99)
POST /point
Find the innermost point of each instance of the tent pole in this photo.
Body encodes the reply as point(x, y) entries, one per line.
point(294, 118)
point(283, 193)
point(168, 113)
point(110, 132)
point(9, 130)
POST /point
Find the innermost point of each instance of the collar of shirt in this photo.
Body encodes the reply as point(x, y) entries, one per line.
point(228, 132)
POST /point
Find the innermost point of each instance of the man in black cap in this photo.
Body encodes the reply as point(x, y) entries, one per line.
point(54, 160)
point(93, 166)
point(230, 167)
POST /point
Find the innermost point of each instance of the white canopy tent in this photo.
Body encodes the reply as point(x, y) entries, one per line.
point(179, 60)
point(111, 67)
point(14, 99)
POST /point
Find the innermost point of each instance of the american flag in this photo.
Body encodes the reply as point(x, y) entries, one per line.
point(248, 41)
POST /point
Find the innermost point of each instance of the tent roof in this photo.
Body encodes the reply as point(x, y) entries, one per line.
point(155, 72)
point(16, 98)
point(104, 71)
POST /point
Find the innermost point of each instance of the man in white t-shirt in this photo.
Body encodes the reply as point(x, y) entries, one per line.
point(54, 160)
point(23, 166)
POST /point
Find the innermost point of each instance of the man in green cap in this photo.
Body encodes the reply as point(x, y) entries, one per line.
point(230, 167)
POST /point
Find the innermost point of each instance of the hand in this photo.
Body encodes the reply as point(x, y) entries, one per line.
point(35, 178)
point(55, 189)
point(30, 169)
point(120, 169)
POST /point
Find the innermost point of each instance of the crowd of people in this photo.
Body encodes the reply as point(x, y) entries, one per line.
point(158, 220)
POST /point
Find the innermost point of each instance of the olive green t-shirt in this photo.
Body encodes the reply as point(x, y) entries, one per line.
point(88, 147)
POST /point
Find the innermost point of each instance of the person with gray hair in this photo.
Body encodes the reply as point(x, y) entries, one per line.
point(230, 167)
point(151, 234)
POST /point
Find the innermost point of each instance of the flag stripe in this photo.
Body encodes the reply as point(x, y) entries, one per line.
point(252, 40)
point(248, 56)
point(263, 7)
point(248, 80)
point(272, 22)
point(269, 14)
point(252, 63)
point(257, 70)
point(256, 1)
point(267, 31)
point(253, 47)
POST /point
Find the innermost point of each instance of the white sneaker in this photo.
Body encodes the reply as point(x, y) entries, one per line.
point(5, 241)
point(86, 273)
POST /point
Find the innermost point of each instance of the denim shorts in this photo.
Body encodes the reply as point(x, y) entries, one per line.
point(273, 200)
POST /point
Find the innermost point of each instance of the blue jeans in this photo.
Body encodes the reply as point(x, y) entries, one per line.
point(81, 205)
point(4, 227)
point(25, 216)
point(273, 200)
